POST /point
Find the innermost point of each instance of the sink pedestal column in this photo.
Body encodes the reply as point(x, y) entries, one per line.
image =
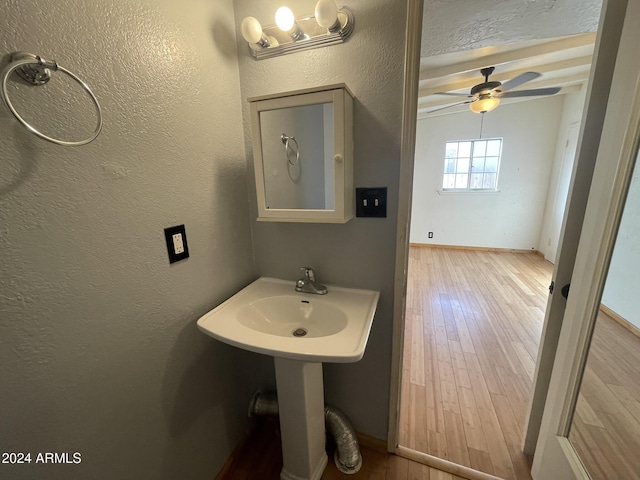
point(301, 407)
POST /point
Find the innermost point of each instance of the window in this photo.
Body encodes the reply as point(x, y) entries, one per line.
point(472, 164)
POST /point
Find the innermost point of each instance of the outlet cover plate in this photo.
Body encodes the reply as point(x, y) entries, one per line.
point(176, 239)
point(371, 202)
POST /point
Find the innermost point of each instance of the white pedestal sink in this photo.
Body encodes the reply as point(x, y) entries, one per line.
point(301, 331)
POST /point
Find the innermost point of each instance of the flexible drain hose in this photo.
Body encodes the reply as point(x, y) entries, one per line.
point(347, 455)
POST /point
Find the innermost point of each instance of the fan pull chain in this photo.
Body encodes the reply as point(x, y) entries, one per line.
point(481, 123)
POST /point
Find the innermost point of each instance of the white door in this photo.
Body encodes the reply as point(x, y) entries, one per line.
point(555, 457)
point(562, 190)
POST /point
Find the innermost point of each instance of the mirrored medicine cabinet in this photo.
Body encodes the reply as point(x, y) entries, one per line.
point(303, 155)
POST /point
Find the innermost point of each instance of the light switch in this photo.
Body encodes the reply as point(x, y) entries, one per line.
point(371, 202)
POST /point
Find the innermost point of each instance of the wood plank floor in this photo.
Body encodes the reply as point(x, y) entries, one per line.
point(261, 458)
point(473, 325)
point(606, 427)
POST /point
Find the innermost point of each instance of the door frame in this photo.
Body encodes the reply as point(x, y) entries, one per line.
point(605, 51)
point(413, 38)
point(555, 456)
point(593, 116)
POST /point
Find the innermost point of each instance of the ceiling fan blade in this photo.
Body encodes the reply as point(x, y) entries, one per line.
point(538, 92)
point(453, 105)
point(519, 80)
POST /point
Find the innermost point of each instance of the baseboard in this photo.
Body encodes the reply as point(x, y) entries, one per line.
point(371, 443)
point(621, 320)
point(227, 468)
point(444, 465)
point(365, 441)
point(477, 249)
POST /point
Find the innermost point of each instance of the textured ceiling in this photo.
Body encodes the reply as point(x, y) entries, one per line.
point(554, 38)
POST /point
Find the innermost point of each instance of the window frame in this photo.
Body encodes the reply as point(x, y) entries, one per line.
point(468, 188)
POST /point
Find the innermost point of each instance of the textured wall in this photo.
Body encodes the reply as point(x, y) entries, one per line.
point(512, 217)
point(455, 25)
point(360, 253)
point(99, 352)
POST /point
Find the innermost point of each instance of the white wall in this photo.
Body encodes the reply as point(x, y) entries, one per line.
point(509, 218)
point(360, 253)
point(99, 350)
point(556, 198)
point(623, 281)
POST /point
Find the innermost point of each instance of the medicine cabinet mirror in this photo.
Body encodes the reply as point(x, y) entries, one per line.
point(303, 155)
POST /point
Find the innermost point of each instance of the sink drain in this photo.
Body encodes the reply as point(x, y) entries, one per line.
point(299, 332)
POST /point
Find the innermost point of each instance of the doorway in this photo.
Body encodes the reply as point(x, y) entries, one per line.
point(473, 324)
point(470, 351)
point(562, 274)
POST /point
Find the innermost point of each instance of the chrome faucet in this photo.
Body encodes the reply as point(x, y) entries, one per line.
point(308, 284)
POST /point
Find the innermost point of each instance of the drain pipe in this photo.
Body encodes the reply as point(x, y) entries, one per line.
point(347, 455)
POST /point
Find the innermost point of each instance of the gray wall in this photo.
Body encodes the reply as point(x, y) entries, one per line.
point(360, 253)
point(99, 352)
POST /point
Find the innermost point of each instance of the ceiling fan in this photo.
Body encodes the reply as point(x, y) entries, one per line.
point(486, 96)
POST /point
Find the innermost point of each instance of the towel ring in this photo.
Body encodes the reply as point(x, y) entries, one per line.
point(288, 149)
point(37, 71)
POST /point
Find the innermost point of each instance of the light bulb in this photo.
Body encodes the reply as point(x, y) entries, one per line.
point(484, 104)
point(326, 13)
point(285, 19)
point(272, 41)
point(251, 29)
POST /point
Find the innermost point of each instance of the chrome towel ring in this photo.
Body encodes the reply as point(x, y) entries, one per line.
point(288, 149)
point(37, 71)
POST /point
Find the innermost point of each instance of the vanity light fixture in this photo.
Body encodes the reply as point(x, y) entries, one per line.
point(327, 26)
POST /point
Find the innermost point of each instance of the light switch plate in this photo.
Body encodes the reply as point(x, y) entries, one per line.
point(371, 202)
point(176, 238)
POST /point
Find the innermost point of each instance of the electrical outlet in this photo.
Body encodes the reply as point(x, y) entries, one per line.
point(371, 202)
point(178, 244)
point(430, 234)
point(176, 239)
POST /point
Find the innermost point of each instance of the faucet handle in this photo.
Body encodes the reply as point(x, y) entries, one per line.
point(309, 273)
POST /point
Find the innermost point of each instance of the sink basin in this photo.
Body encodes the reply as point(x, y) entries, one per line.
point(289, 315)
point(269, 317)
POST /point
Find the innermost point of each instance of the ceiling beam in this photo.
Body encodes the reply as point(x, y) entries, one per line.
point(508, 56)
point(551, 82)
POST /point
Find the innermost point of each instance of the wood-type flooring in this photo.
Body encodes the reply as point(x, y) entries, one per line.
point(606, 426)
point(473, 325)
point(260, 458)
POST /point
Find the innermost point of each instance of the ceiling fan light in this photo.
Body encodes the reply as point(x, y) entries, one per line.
point(484, 105)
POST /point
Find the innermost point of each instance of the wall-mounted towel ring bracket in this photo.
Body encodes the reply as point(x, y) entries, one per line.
point(37, 71)
point(289, 150)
